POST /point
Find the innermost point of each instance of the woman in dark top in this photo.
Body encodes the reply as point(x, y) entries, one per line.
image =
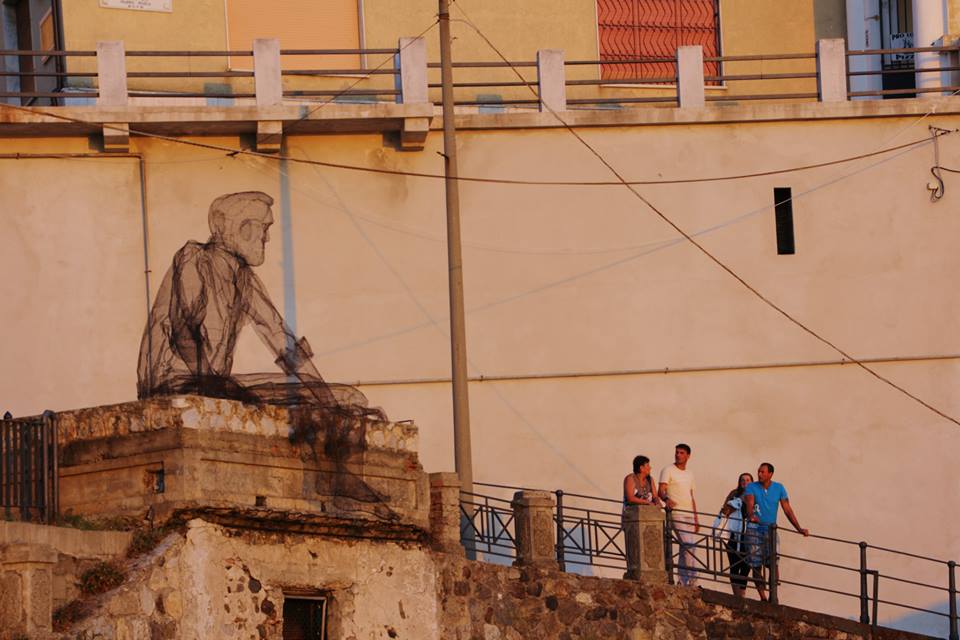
point(639, 487)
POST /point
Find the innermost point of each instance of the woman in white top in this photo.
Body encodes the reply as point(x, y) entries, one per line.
point(731, 519)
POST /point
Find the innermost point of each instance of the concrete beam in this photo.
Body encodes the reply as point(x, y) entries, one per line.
point(690, 91)
point(832, 70)
point(551, 80)
point(112, 91)
point(413, 71)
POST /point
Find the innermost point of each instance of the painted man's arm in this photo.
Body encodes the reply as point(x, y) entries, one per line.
point(293, 356)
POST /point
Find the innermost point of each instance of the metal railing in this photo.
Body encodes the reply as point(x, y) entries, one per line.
point(589, 533)
point(29, 476)
point(36, 77)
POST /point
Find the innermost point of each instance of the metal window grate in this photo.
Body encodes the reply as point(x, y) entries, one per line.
point(639, 38)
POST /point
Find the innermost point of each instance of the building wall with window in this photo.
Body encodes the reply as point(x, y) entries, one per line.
point(595, 333)
point(584, 29)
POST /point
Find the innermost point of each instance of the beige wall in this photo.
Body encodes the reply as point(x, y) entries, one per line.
point(580, 280)
point(518, 30)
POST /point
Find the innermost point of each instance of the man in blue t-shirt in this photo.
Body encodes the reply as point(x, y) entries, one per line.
point(763, 500)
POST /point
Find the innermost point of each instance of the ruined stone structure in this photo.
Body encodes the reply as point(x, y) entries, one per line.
point(269, 521)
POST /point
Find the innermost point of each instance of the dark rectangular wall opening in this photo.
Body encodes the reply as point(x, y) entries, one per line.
point(305, 618)
point(783, 210)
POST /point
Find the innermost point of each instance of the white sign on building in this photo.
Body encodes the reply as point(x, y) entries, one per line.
point(139, 5)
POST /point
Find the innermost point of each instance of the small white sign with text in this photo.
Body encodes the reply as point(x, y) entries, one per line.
point(139, 5)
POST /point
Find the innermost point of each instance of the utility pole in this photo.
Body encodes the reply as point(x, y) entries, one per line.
point(458, 335)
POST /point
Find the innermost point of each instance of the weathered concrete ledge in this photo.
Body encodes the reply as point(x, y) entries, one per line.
point(155, 457)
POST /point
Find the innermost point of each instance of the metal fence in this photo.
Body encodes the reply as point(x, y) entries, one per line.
point(29, 487)
point(589, 534)
point(34, 77)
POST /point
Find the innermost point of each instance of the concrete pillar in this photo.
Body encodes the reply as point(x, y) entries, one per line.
point(268, 84)
point(551, 80)
point(832, 70)
point(445, 513)
point(949, 59)
point(643, 539)
point(690, 91)
point(534, 529)
point(863, 32)
point(111, 74)
point(112, 91)
point(929, 25)
point(26, 588)
point(413, 71)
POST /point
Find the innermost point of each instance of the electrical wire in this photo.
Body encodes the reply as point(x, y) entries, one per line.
point(702, 249)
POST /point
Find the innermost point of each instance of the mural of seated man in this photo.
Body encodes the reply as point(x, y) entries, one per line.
point(207, 296)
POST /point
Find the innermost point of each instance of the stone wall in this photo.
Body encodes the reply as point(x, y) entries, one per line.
point(492, 602)
point(166, 454)
point(214, 582)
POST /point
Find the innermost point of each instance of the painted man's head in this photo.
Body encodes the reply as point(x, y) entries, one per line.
point(241, 223)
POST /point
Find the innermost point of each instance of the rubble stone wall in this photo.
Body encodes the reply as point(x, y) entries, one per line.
point(480, 600)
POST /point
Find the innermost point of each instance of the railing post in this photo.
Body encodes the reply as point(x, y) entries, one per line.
point(773, 569)
point(643, 527)
point(952, 590)
point(533, 526)
point(412, 82)
point(112, 91)
point(668, 545)
point(832, 70)
point(690, 91)
point(551, 80)
point(445, 513)
point(561, 560)
point(413, 71)
point(268, 83)
point(864, 598)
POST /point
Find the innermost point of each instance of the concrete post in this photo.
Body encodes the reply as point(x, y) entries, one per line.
point(949, 59)
point(534, 529)
point(268, 84)
point(832, 70)
point(929, 25)
point(26, 588)
point(413, 71)
point(445, 513)
point(112, 91)
point(643, 538)
point(413, 90)
point(690, 91)
point(111, 74)
point(551, 79)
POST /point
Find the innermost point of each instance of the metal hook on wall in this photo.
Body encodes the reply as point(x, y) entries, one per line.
point(936, 189)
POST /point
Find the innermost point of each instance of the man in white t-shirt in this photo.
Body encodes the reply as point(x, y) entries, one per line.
point(676, 488)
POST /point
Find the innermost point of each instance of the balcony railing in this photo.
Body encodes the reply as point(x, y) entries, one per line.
point(589, 533)
point(267, 75)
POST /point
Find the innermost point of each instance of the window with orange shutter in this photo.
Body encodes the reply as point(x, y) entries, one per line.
point(633, 31)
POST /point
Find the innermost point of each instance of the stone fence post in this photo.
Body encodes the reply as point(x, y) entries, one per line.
point(112, 91)
point(643, 536)
point(551, 80)
point(534, 529)
point(445, 513)
point(26, 588)
point(690, 90)
point(268, 86)
point(832, 70)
